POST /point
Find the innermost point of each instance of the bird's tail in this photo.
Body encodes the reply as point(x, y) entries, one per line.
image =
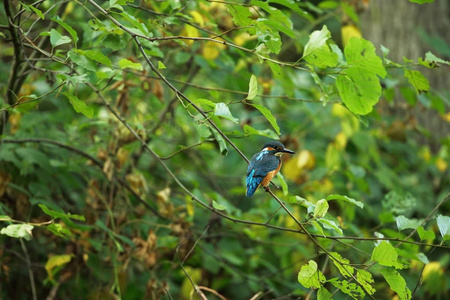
point(252, 183)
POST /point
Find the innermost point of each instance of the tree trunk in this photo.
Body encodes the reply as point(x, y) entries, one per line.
point(400, 26)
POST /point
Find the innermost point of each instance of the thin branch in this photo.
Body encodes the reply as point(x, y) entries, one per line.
point(30, 271)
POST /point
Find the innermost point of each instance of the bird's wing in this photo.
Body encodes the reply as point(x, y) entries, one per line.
point(257, 170)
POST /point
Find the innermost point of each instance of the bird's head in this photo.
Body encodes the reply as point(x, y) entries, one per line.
point(276, 148)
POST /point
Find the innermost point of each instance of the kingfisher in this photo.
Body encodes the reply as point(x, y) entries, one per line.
point(264, 165)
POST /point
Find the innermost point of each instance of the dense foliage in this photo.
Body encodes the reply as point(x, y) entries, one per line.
point(126, 127)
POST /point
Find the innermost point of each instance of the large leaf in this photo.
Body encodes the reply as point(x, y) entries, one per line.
point(266, 112)
point(321, 208)
point(349, 288)
point(67, 27)
point(222, 110)
point(57, 38)
point(396, 282)
point(96, 56)
point(18, 231)
point(359, 86)
point(317, 39)
point(417, 80)
point(241, 15)
point(342, 264)
point(386, 255)
point(346, 199)
point(310, 277)
point(79, 105)
point(266, 132)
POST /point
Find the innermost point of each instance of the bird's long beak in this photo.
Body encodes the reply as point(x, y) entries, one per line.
point(287, 151)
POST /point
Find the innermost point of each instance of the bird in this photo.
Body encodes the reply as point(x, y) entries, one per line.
point(264, 165)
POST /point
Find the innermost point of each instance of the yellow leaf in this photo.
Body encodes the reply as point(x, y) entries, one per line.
point(349, 31)
point(210, 51)
point(56, 261)
point(432, 267)
point(190, 207)
point(242, 38)
point(446, 117)
point(191, 32)
point(341, 141)
point(425, 153)
point(349, 122)
point(441, 164)
point(198, 18)
point(186, 286)
point(332, 157)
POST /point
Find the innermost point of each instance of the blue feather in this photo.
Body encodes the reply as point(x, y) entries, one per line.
point(252, 183)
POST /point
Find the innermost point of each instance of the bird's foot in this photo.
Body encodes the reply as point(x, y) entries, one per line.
point(267, 188)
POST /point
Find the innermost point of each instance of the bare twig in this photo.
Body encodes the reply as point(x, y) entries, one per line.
point(30, 270)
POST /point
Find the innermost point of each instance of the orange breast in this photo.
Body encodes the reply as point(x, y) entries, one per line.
point(266, 180)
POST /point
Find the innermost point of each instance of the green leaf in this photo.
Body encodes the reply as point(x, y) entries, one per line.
point(405, 223)
point(421, 1)
point(115, 42)
point(204, 103)
point(359, 90)
point(359, 86)
point(349, 288)
point(417, 80)
point(56, 214)
point(396, 282)
point(321, 208)
point(425, 234)
point(252, 88)
point(222, 144)
point(319, 229)
point(139, 27)
point(434, 61)
point(317, 39)
point(218, 206)
point(18, 231)
point(161, 66)
point(423, 258)
point(346, 199)
point(222, 110)
point(310, 277)
point(67, 27)
point(241, 15)
point(386, 255)
point(82, 61)
point(5, 218)
point(266, 132)
point(366, 280)
point(323, 57)
point(96, 56)
point(57, 38)
point(37, 11)
point(266, 112)
point(283, 184)
point(443, 223)
point(80, 106)
point(324, 294)
point(59, 230)
point(342, 264)
point(330, 224)
point(128, 64)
